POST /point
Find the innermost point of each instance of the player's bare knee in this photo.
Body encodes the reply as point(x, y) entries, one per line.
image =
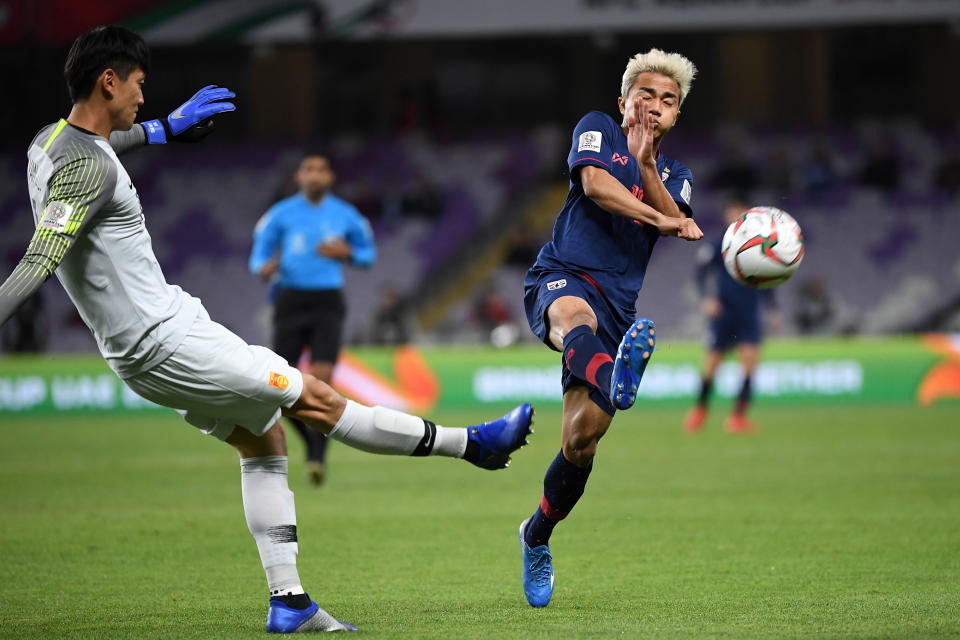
point(583, 318)
point(323, 397)
point(319, 405)
point(580, 452)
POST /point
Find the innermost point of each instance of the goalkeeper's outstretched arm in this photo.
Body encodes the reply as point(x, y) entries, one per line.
point(190, 122)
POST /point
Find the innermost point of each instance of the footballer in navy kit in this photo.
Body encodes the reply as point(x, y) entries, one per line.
point(580, 295)
point(736, 320)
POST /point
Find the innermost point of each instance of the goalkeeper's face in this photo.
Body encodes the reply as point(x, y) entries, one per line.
point(126, 100)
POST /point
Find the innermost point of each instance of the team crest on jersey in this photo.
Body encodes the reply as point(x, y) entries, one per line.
point(665, 174)
point(557, 284)
point(589, 141)
point(279, 381)
point(55, 216)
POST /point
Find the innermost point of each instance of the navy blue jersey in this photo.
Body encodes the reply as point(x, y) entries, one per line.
point(737, 301)
point(610, 249)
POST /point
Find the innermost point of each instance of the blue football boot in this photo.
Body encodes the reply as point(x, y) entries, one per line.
point(493, 442)
point(537, 571)
point(633, 354)
point(284, 619)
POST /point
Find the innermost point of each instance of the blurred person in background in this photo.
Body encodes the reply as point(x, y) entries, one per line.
point(818, 173)
point(736, 172)
point(881, 167)
point(390, 324)
point(947, 176)
point(301, 244)
point(734, 313)
point(26, 331)
point(814, 309)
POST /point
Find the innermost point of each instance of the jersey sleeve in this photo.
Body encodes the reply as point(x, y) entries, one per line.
point(680, 187)
point(592, 143)
point(267, 236)
point(76, 192)
point(123, 141)
point(360, 239)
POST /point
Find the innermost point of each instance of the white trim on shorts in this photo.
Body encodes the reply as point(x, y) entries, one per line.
point(218, 382)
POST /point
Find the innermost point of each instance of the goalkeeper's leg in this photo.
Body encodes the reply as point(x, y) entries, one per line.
point(272, 519)
point(387, 431)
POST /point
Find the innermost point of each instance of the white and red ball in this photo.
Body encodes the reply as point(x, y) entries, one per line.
point(762, 248)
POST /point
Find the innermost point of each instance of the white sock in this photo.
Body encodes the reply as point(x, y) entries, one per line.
point(272, 519)
point(382, 430)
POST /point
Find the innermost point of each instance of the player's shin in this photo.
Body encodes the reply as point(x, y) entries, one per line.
point(272, 520)
point(386, 431)
point(563, 485)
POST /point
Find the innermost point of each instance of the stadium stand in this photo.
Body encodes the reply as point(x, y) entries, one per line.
point(886, 254)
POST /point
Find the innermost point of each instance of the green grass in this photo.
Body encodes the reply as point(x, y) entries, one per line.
point(834, 523)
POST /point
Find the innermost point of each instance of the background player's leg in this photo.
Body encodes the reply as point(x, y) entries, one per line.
point(749, 357)
point(573, 328)
point(317, 442)
point(324, 340)
point(386, 431)
point(289, 339)
point(697, 416)
point(584, 423)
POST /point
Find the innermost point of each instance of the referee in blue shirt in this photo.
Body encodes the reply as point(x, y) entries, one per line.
point(303, 242)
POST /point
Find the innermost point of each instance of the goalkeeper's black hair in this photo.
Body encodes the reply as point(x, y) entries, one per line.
point(99, 49)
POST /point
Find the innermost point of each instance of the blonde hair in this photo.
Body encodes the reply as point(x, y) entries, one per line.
point(672, 65)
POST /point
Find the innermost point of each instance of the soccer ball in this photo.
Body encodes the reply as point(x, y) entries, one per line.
point(762, 248)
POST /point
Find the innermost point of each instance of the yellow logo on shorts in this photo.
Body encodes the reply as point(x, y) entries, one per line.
point(279, 381)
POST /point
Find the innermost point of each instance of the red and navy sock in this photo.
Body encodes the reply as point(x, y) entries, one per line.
point(743, 400)
point(562, 487)
point(586, 358)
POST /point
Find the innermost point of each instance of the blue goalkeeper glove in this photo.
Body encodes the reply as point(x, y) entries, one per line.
point(193, 120)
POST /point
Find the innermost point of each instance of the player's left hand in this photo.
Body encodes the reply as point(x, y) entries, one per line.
point(335, 248)
point(193, 120)
point(641, 131)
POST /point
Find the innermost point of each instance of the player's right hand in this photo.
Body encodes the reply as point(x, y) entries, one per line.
point(269, 268)
point(683, 228)
point(689, 230)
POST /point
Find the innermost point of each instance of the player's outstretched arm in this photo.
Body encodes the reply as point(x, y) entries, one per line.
point(79, 189)
point(193, 120)
point(613, 197)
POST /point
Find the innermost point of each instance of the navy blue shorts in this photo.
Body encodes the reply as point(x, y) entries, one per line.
point(728, 330)
point(541, 288)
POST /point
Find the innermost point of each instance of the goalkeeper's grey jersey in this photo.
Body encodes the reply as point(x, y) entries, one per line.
point(90, 229)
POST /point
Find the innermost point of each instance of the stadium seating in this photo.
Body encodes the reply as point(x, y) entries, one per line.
point(886, 254)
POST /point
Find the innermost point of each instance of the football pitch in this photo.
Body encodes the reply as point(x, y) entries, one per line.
point(837, 522)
